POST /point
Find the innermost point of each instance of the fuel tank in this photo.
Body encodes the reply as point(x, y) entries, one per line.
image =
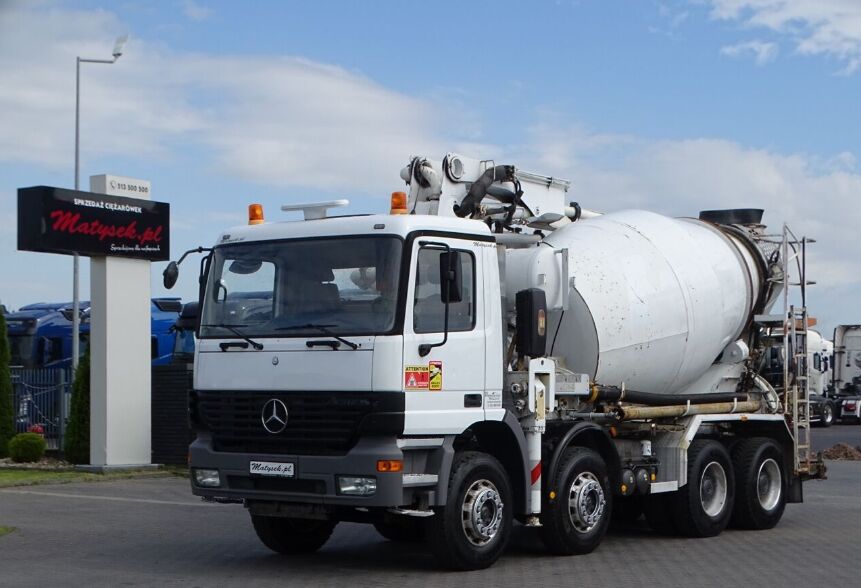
point(650, 301)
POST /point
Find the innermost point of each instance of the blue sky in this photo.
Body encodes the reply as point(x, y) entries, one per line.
point(671, 106)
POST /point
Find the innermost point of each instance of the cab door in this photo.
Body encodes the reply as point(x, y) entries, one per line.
point(444, 388)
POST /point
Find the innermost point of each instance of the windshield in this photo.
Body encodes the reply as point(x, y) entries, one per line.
point(344, 286)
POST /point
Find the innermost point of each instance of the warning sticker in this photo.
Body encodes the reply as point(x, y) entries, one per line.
point(435, 375)
point(416, 377)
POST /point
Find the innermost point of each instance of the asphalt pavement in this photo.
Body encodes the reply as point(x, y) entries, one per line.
point(822, 438)
point(152, 532)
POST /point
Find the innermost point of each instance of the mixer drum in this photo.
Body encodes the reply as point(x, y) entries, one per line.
point(654, 302)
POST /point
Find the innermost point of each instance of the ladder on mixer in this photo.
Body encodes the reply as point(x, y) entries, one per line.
point(796, 402)
point(796, 382)
point(789, 332)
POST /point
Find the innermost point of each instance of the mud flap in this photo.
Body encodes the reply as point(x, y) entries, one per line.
point(794, 492)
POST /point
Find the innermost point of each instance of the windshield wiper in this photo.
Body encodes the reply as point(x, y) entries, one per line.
point(238, 333)
point(324, 329)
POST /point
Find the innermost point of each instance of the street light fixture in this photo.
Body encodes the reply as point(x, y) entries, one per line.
point(76, 303)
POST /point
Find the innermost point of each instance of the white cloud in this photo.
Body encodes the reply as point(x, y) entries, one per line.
point(282, 121)
point(762, 52)
point(195, 11)
point(819, 198)
point(817, 27)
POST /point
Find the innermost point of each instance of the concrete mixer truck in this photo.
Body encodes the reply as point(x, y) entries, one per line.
point(492, 353)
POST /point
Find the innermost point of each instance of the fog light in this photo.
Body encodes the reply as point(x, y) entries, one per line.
point(357, 486)
point(208, 478)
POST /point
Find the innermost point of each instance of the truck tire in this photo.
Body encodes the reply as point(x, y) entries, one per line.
point(406, 530)
point(828, 413)
point(288, 536)
point(659, 513)
point(703, 506)
point(760, 495)
point(472, 529)
point(576, 520)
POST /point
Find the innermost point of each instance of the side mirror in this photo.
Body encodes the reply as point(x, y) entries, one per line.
point(450, 276)
point(170, 274)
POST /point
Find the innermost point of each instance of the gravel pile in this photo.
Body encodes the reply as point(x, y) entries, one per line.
point(843, 451)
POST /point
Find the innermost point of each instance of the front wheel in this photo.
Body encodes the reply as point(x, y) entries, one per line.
point(473, 528)
point(703, 507)
point(289, 536)
point(575, 519)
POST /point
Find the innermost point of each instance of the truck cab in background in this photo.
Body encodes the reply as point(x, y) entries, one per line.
point(40, 335)
point(847, 371)
point(824, 405)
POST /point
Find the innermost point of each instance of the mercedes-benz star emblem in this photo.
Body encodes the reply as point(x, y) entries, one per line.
point(274, 416)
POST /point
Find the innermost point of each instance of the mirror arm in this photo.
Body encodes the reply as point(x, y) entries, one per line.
point(190, 251)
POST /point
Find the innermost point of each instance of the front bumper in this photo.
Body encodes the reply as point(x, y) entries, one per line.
point(315, 476)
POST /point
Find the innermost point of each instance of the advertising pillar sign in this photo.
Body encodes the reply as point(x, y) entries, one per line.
point(122, 231)
point(135, 233)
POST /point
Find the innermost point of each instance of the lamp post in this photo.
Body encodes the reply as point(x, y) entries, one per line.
point(76, 304)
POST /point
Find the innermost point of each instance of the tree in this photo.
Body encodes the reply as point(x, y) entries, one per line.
point(76, 445)
point(7, 416)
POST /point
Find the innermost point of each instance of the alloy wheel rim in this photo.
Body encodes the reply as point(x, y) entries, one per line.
point(713, 489)
point(481, 512)
point(586, 502)
point(768, 484)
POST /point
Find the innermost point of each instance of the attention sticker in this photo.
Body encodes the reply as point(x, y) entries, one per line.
point(423, 377)
point(435, 375)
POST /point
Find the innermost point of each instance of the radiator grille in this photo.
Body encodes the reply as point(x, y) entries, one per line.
point(319, 423)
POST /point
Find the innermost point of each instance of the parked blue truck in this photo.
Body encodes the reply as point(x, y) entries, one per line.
point(40, 335)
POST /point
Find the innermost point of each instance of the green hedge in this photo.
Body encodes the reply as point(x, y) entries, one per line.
point(76, 445)
point(27, 447)
point(7, 416)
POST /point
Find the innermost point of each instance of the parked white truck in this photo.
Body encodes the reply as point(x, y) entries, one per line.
point(489, 353)
point(847, 371)
point(824, 405)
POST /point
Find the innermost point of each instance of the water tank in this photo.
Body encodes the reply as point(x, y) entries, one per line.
point(653, 301)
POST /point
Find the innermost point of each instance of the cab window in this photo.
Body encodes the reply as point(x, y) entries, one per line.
point(428, 307)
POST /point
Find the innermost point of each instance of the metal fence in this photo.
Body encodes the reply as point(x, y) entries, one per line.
point(41, 398)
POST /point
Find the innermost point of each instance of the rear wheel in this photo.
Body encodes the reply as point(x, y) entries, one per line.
point(575, 520)
point(288, 536)
point(828, 413)
point(703, 507)
point(760, 484)
point(473, 528)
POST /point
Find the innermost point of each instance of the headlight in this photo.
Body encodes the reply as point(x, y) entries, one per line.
point(207, 478)
point(357, 486)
